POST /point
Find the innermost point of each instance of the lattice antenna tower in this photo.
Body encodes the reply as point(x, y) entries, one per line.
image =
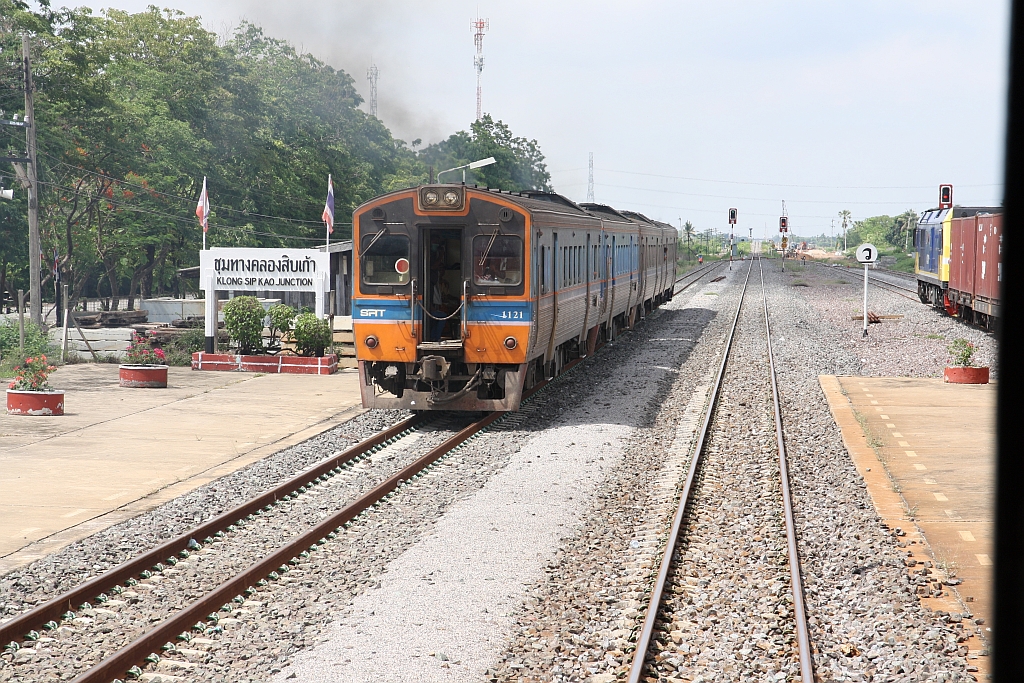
point(479, 27)
point(590, 181)
point(371, 75)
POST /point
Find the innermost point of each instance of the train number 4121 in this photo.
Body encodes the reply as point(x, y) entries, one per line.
point(512, 315)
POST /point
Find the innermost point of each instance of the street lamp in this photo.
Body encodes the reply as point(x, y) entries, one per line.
point(475, 164)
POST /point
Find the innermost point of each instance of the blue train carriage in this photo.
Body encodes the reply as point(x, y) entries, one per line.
point(465, 297)
point(932, 239)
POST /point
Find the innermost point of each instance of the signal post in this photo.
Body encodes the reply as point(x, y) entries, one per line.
point(732, 245)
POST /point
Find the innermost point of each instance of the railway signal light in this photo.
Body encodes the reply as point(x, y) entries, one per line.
point(945, 196)
point(783, 223)
point(732, 216)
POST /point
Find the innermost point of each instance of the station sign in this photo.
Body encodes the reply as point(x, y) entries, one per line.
point(867, 253)
point(276, 270)
point(242, 269)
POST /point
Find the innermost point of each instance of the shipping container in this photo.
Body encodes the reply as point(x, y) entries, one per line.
point(963, 235)
point(988, 269)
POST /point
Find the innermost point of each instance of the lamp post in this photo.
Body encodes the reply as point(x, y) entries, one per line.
point(474, 164)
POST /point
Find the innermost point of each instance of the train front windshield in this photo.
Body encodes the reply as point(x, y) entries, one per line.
point(385, 259)
point(497, 260)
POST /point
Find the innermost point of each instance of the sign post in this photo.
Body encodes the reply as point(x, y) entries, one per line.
point(866, 254)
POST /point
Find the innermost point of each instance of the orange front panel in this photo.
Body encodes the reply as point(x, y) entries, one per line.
point(395, 341)
point(486, 343)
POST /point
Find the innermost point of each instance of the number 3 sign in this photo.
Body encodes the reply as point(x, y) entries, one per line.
point(866, 253)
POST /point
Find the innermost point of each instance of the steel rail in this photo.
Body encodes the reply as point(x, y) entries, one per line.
point(644, 640)
point(700, 272)
point(136, 652)
point(803, 638)
point(16, 628)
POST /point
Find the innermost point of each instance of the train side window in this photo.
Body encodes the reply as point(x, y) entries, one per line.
point(385, 260)
point(543, 270)
point(498, 260)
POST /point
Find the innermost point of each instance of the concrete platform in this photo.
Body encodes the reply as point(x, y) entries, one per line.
point(119, 452)
point(930, 449)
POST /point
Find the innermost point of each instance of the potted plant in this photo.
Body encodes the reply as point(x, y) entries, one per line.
point(144, 367)
point(963, 370)
point(30, 392)
point(312, 335)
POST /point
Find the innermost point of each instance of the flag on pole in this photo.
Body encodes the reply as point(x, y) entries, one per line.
point(56, 266)
point(203, 209)
point(329, 206)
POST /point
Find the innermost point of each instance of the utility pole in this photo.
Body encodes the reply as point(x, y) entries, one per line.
point(28, 176)
point(590, 181)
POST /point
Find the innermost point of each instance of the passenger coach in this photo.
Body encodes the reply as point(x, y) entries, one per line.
point(465, 297)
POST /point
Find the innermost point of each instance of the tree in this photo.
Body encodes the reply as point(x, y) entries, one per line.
point(519, 164)
point(845, 215)
point(688, 230)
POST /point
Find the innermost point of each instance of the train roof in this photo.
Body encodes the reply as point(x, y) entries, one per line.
point(637, 216)
point(939, 215)
point(604, 210)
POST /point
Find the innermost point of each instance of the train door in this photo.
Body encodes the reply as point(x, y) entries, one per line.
point(443, 288)
point(557, 262)
point(588, 276)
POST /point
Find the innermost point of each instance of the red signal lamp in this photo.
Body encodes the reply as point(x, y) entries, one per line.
point(371, 342)
point(511, 343)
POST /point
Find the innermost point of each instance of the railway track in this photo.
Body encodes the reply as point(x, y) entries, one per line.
point(706, 490)
point(86, 615)
point(907, 290)
point(695, 276)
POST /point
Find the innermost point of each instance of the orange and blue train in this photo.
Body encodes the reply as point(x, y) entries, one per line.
point(465, 297)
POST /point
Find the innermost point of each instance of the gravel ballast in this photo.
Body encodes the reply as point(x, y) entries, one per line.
point(527, 553)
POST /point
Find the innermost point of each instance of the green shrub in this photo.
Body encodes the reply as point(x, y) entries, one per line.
point(312, 335)
point(36, 342)
point(190, 341)
point(243, 318)
point(281, 317)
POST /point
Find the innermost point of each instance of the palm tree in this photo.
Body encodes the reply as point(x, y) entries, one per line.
point(688, 230)
point(846, 216)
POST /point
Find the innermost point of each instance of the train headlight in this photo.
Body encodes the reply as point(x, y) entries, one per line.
point(451, 198)
point(511, 343)
point(430, 197)
point(371, 342)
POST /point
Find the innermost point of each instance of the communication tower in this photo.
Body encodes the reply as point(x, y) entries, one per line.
point(590, 181)
point(371, 76)
point(479, 26)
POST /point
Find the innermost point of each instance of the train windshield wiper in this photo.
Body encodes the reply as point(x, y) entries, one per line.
point(376, 237)
point(487, 251)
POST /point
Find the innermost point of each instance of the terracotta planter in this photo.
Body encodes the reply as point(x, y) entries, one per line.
point(958, 375)
point(35, 402)
point(279, 364)
point(143, 376)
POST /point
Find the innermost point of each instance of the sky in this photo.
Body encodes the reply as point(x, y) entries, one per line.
point(689, 107)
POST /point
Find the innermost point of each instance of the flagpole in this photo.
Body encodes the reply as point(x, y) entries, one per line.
point(330, 190)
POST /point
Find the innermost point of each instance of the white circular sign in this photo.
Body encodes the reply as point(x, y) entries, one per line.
point(866, 253)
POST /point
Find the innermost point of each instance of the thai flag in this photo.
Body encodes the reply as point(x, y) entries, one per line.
point(203, 208)
point(56, 266)
point(329, 206)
